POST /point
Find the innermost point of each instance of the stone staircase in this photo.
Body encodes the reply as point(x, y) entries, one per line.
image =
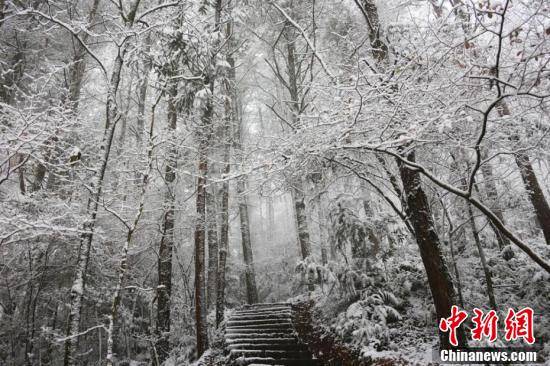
point(263, 334)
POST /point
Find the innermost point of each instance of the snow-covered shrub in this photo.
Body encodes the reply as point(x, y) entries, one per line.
point(365, 322)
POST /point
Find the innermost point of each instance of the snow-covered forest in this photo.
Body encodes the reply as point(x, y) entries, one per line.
point(372, 163)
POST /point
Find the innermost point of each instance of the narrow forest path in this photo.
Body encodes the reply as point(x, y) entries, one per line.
point(264, 334)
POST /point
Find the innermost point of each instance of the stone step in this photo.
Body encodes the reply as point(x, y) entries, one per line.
point(268, 346)
point(271, 328)
point(263, 310)
point(259, 340)
point(257, 323)
point(278, 354)
point(263, 334)
point(259, 335)
point(231, 331)
point(266, 304)
point(260, 316)
point(260, 361)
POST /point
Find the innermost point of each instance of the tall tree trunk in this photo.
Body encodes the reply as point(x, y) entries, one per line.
point(200, 291)
point(204, 135)
point(164, 287)
point(78, 287)
point(213, 251)
point(419, 213)
point(231, 115)
point(297, 188)
point(79, 283)
point(530, 180)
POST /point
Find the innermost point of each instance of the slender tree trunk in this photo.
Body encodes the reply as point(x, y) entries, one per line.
point(322, 230)
point(250, 272)
point(21, 174)
point(142, 97)
point(481, 252)
point(79, 283)
point(419, 213)
point(123, 264)
point(164, 287)
point(213, 251)
point(492, 195)
point(536, 196)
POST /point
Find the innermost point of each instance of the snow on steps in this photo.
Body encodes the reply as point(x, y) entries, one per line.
point(263, 334)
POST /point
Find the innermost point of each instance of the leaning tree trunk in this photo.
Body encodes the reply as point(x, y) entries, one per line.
point(419, 213)
point(86, 238)
point(536, 196)
point(164, 287)
point(417, 206)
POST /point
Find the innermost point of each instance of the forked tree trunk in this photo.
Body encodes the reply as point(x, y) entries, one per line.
point(536, 196)
point(164, 287)
point(419, 213)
